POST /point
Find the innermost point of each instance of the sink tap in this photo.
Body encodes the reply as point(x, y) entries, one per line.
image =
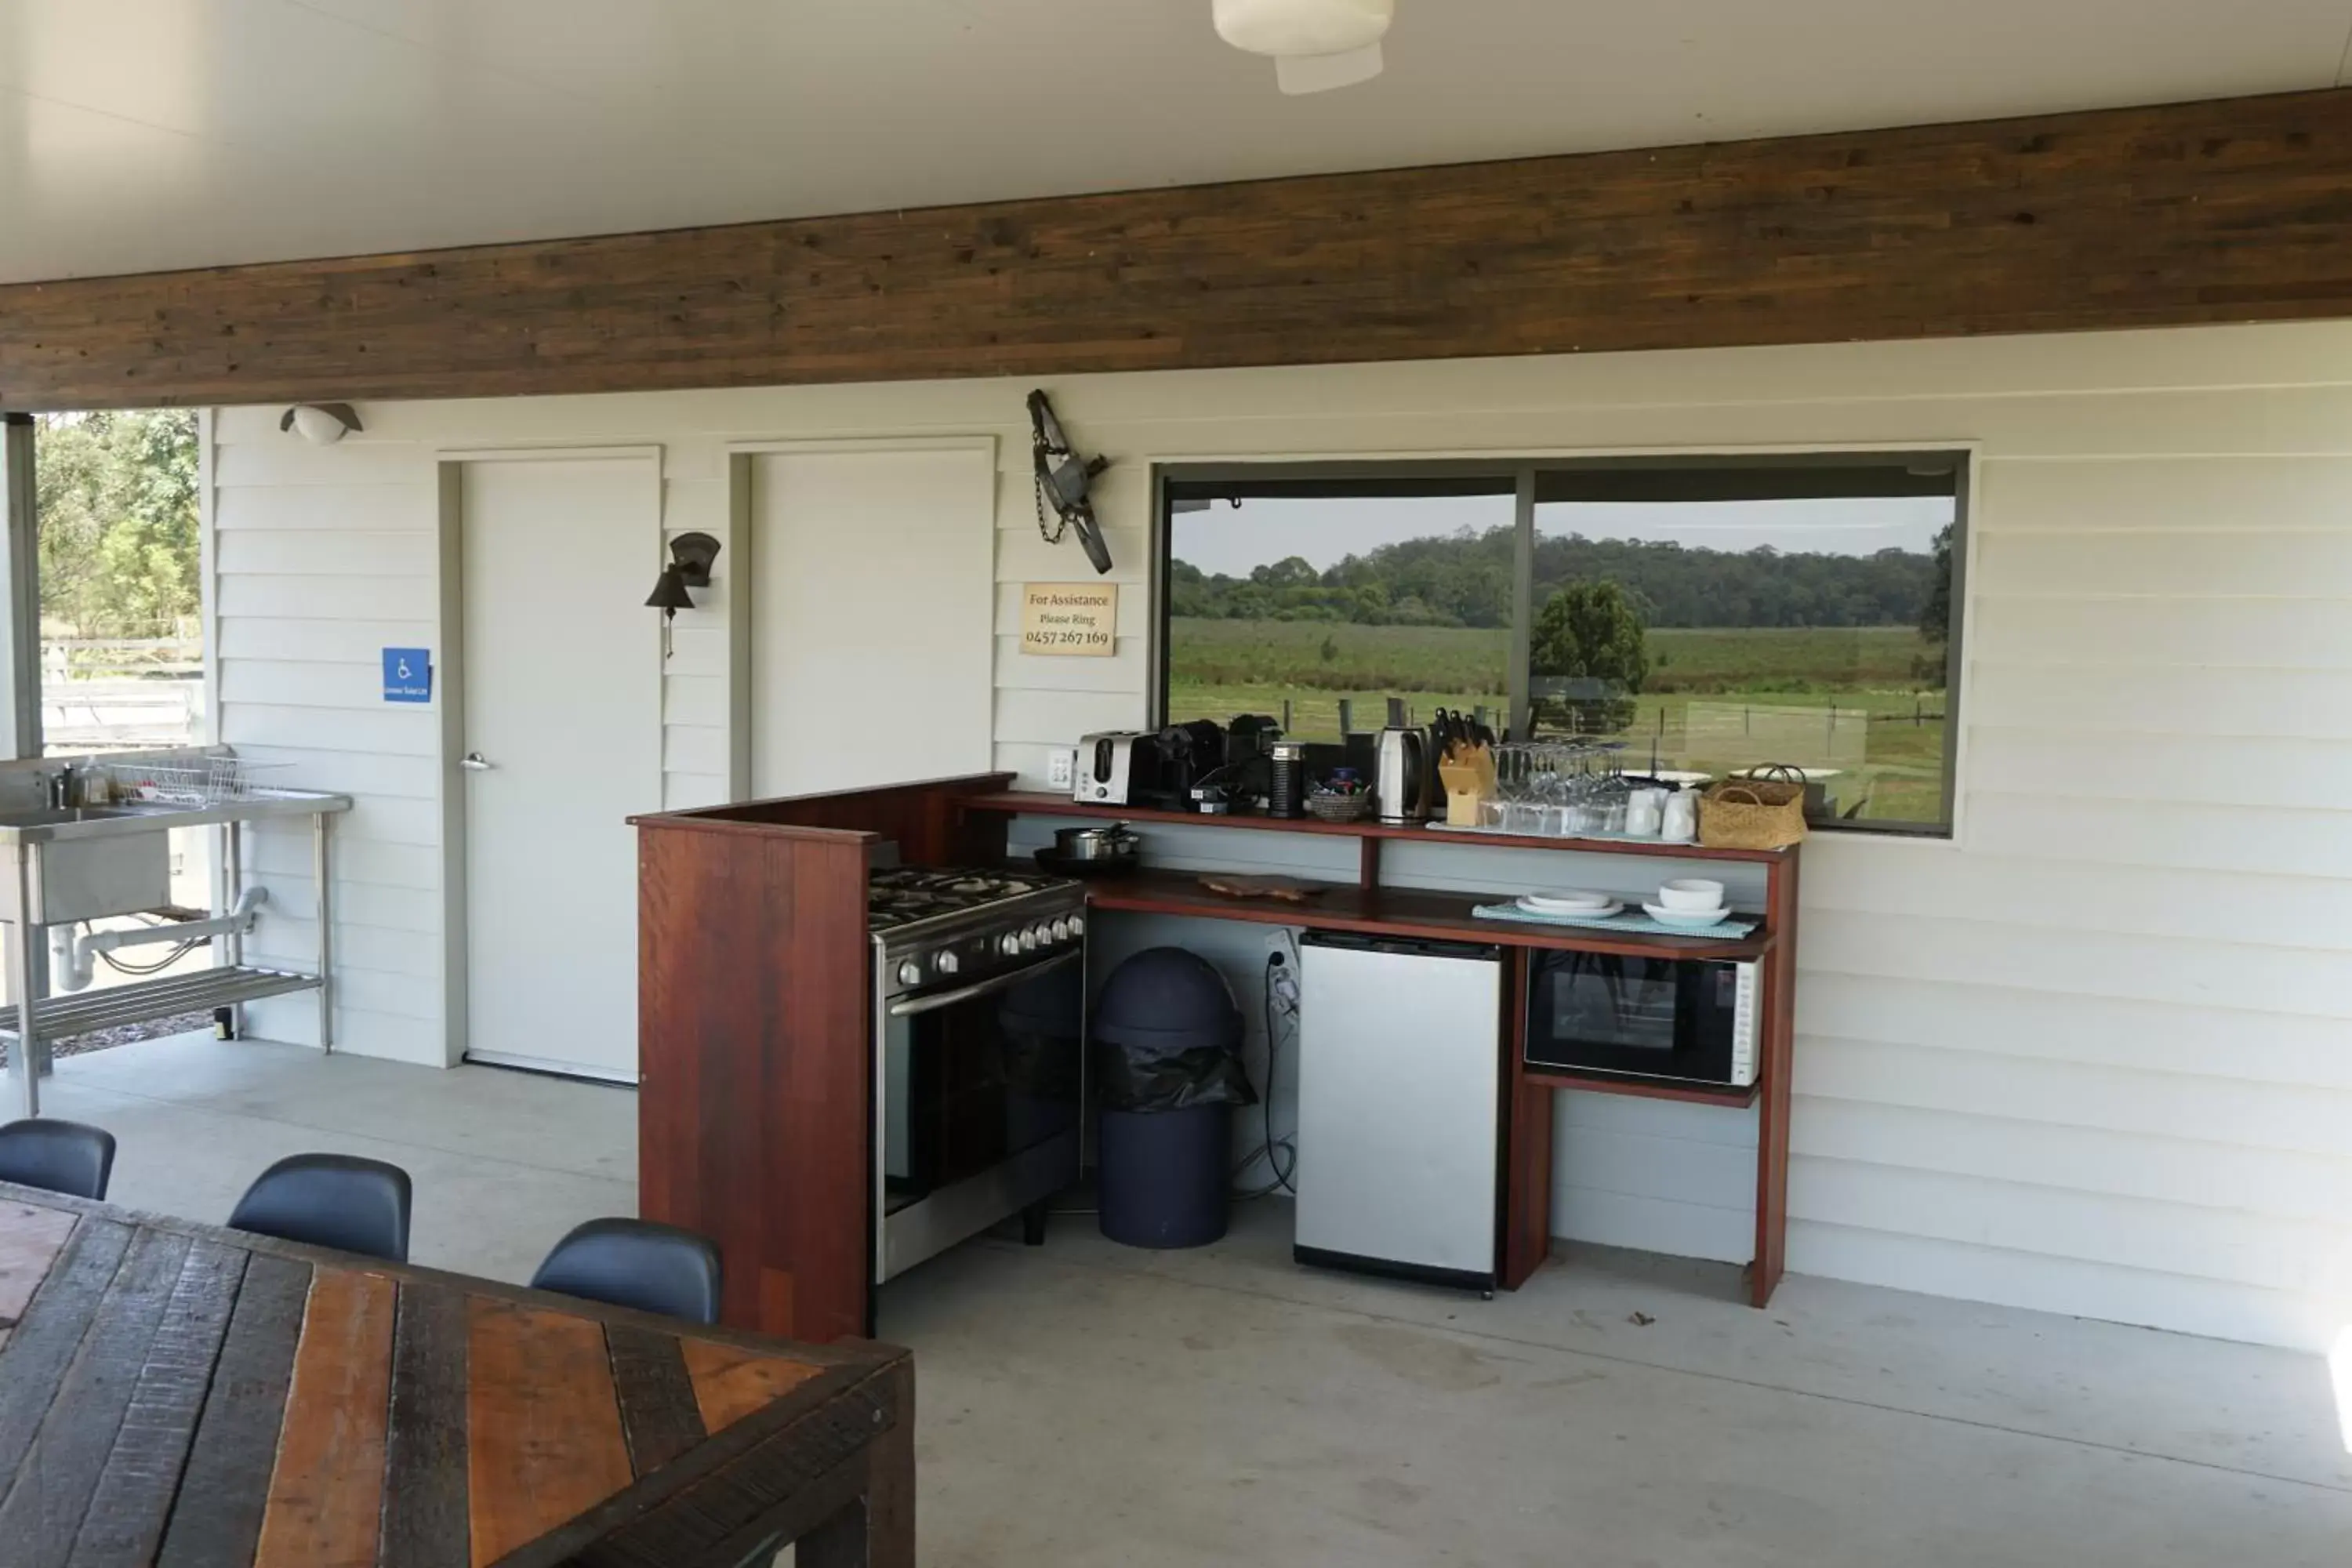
point(61, 788)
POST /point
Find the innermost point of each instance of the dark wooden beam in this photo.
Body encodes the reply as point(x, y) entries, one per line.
point(2227, 211)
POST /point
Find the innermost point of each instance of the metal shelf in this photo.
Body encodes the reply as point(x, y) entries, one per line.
point(199, 991)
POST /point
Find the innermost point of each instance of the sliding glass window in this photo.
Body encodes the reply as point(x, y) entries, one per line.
point(1708, 615)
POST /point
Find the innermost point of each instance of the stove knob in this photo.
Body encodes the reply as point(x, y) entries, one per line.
point(1026, 941)
point(1010, 946)
point(910, 974)
point(1061, 931)
point(948, 964)
point(1077, 925)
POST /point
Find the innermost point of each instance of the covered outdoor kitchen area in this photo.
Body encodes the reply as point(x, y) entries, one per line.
point(1345, 829)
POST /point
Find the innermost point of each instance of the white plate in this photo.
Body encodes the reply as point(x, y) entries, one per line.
point(1582, 911)
point(1565, 903)
point(1694, 919)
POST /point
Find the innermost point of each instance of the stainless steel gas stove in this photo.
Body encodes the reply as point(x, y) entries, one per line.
point(979, 1005)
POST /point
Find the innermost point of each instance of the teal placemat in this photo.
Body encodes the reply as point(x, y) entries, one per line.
point(1624, 920)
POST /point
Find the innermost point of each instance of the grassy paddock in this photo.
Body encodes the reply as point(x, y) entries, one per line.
point(1716, 699)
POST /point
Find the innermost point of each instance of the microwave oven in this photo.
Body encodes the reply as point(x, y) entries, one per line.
point(1693, 1021)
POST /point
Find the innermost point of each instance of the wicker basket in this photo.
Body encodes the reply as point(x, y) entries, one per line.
point(1341, 807)
point(1751, 814)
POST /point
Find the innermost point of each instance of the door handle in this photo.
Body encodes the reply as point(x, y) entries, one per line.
point(475, 763)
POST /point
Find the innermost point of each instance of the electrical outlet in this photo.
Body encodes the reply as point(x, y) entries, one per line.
point(1061, 769)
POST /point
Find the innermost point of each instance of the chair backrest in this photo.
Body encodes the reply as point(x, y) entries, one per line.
point(330, 1200)
point(636, 1263)
point(57, 1156)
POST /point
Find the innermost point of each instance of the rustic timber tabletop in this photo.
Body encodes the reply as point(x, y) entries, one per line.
point(183, 1396)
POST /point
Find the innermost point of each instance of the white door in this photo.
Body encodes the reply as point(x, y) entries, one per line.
point(561, 669)
point(873, 617)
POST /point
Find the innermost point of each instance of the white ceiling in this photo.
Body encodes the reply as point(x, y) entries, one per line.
point(139, 134)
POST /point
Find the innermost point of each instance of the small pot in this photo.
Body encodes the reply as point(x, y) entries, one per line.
point(1117, 842)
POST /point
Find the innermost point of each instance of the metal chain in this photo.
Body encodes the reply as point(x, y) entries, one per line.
point(1062, 524)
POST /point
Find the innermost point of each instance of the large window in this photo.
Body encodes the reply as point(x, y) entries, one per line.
point(1702, 616)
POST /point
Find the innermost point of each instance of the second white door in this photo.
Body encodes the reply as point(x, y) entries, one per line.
point(873, 617)
point(562, 673)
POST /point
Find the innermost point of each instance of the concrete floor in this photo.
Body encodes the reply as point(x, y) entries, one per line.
point(1088, 1404)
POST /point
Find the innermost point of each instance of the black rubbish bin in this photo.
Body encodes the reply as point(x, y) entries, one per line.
point(1167, 1063)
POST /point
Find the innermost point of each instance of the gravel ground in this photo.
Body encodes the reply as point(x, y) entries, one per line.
point(122, 1034)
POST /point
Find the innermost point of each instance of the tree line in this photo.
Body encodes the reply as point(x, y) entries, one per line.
point(115, 499)
point(1465, 580)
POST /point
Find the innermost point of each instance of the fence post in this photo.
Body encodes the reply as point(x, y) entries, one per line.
point(1347, 718)
point(1398, 718)
point(1285, 715)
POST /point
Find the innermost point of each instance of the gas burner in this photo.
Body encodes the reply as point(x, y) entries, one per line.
point(901, 895)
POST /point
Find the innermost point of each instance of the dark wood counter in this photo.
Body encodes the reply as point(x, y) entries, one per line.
point(755, 1101)
point(1373, 908)
point(1411, 913)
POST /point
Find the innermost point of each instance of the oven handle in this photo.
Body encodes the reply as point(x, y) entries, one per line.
point(980, 988)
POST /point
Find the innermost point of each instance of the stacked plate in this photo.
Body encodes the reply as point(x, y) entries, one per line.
point(1588, 906)
point(1695, 903)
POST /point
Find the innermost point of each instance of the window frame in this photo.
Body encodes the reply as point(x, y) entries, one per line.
point(1524, 478)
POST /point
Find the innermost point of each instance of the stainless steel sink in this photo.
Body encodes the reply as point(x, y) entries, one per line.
point(46, 817)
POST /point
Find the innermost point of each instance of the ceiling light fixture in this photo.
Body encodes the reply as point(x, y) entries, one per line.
point(320, 424)
point(1316, 45)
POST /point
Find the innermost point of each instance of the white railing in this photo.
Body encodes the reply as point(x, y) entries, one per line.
point(122, 694)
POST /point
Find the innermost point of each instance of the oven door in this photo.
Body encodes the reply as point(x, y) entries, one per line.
point(1646, 1017)
point(978, 1090)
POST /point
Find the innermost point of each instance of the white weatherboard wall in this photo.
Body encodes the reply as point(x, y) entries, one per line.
point(2094, 1055)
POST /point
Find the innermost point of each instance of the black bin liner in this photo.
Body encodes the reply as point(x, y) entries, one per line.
point(1167, 1036)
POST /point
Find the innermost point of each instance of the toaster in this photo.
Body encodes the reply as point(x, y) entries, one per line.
point(1116, 768)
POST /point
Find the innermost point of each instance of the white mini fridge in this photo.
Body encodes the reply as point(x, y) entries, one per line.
point(1400, 1107)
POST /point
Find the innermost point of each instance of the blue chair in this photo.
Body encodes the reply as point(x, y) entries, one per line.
point(57, 1156)
point(636, 1263)
point(330, 1200)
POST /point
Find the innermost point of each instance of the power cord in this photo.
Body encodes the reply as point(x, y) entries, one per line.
point(1280, 1154)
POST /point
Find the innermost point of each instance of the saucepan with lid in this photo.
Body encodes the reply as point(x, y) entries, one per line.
point(1100, 851)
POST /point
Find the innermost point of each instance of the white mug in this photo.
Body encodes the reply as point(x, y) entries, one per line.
point(1681, 819)
point(1643, 814)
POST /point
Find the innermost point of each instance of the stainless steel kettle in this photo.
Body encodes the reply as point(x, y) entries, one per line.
point(1401, 775)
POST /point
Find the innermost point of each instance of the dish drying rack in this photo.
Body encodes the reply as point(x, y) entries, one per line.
point(211, 781)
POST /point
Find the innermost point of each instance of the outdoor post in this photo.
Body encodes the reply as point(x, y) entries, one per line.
point(27, 983)
point(20, 649)
point(1347, 718)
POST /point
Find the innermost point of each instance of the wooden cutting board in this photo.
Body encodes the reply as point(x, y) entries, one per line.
point(1289, 889)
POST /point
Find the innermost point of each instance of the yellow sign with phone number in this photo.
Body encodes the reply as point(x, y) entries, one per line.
point(1069, 620)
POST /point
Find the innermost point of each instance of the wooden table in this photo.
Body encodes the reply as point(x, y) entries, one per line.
point(178, 1394)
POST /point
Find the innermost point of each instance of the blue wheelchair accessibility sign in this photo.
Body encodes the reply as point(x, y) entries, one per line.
point(407, 675)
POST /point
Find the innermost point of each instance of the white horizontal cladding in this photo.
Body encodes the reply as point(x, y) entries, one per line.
point(1988, 1017)
point(2307, 564)
point(2203, 1243)
point(2170, 494)
point(358, 641)
point(317, 551)
point(329, 597)
point(2168, 633)
point(2088, 1055)
point(2232, 910)
point(2228, 700)
point(2158, 1297)
point(2213, 1107)
point(2043, 951)
point(330, 510)
point(2209, 835)
point(2290, 1185)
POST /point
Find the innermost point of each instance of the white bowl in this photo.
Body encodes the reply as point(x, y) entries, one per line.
point(1695, 894)
point(1695, 919)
